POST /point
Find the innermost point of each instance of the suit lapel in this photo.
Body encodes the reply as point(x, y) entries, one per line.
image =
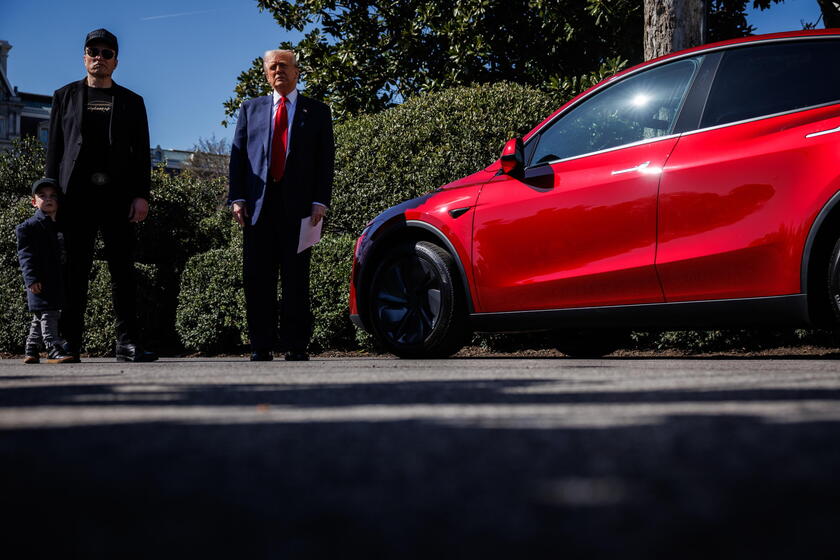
point(264, 115)
point(77, 101)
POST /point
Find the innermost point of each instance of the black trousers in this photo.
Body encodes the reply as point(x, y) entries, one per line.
point(84, 213)
point(269, 253)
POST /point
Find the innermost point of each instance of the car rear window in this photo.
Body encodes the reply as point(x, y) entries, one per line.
point(767, 79)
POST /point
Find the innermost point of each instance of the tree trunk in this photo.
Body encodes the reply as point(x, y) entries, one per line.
point(672, 25)
point(830, 12)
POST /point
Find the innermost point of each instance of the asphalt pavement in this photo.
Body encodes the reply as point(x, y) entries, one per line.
point(386, 458)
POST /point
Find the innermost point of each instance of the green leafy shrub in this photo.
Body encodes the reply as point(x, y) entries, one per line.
point(428, 141)
point(211, 305)
point(332, 260)
point(723, 340)
point(14, 314)
point(177, 226)
point(20, 166)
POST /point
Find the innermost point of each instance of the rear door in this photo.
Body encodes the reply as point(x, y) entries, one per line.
point(738, 194)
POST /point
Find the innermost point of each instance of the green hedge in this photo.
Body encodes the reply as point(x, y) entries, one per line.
point(210, 316)
point(20, 166)
point(332, 260)
point(186, 217)
point(428, 141)
point(14, 315)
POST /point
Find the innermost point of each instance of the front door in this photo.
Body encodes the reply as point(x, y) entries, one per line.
point(579, 227)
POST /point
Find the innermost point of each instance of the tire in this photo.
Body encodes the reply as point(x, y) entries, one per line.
point(592, 343)
point(834, 282)
point(415, 306)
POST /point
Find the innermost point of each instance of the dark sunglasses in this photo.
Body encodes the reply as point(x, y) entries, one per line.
point(93, 52)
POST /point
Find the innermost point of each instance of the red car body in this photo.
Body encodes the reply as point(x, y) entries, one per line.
point(722, 211)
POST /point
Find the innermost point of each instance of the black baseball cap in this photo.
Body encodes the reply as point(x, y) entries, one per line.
point(102, 36)
point(44, 182)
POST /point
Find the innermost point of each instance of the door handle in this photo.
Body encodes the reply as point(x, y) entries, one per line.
point(639, 167)
point(822, 132)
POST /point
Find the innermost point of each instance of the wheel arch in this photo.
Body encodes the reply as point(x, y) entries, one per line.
point(401, 231)
point(821, 238)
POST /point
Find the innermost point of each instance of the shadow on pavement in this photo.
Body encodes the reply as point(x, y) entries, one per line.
point(682, 486)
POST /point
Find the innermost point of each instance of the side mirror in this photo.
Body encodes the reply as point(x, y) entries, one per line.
point(513, 157)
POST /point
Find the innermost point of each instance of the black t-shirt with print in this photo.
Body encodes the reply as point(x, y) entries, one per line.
point(96, 127)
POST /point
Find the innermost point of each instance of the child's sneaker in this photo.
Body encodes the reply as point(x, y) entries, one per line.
point(31, 359)
point(58, 355)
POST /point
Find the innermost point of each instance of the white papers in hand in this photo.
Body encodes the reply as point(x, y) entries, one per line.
point(309, 234)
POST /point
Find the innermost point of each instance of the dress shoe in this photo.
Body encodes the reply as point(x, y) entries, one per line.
point(261, 356)
point(31, 359)
point(134, 353)
point(72, 350)
point(297, 357)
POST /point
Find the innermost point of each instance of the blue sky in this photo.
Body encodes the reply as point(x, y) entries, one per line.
point(183, 56)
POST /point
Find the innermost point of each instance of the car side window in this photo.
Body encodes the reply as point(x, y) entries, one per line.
point(768, 79)
point(637, 108)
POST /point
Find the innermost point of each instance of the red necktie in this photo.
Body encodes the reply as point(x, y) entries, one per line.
point(278, 141)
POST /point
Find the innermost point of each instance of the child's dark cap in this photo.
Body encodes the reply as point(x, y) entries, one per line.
point(44, 182)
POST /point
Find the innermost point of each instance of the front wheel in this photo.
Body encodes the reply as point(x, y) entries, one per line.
point(415, 307)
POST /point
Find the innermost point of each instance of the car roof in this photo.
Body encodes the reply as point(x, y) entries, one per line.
point(708, 47)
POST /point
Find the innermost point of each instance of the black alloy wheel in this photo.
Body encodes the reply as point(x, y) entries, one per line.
point(415, 307)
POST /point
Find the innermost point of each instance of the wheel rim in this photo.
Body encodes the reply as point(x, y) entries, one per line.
point(407, 301)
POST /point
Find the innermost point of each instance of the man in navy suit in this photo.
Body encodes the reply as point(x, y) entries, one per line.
point(281, 171)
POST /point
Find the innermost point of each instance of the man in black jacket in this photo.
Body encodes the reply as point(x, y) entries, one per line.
point(98, 152)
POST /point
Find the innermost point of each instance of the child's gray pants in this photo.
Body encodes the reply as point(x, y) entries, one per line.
point(44, 328)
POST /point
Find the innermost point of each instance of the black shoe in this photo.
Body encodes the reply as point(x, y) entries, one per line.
point(297, 357)
point(134, 353)
point(261, 356)
point(72, 350)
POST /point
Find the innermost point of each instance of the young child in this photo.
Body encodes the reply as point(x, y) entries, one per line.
point(40, 254)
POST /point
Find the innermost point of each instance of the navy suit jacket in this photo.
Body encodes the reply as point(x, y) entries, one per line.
point(39, 254)
point(308, 175)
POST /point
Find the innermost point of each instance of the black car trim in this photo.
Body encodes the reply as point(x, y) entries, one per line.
point(762, 117)
point(744, 312)
point(816, 227)
point(356, 319)
point(694, 104)
point(451, 248)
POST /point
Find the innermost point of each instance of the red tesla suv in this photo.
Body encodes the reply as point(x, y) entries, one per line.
point(696, 190)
